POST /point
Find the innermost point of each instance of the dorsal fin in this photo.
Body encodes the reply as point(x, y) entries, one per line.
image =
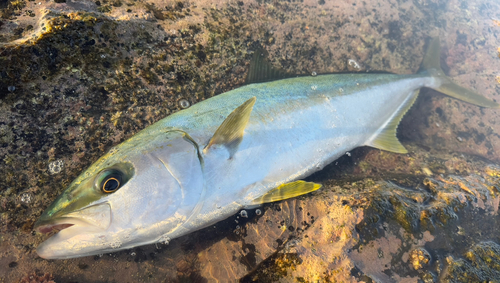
point(286, 191)
point(261, 69)
point(230, 132)
point(386, 138)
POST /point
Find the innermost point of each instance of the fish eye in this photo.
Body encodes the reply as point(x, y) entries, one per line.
point(110, 185)
point(109, 181)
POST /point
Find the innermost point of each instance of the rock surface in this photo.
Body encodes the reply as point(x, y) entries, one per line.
point(77, 77)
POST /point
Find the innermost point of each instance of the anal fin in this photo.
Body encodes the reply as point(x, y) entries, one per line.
point(385, 138)
point(286, 191)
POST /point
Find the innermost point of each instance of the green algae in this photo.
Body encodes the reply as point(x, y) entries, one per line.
point(481, 264)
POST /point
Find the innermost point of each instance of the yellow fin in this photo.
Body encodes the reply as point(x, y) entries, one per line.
point(230, 132)
point(386, 139)
point(431, 66)
point(432, 57)
point(451, 89)
point(286, 191)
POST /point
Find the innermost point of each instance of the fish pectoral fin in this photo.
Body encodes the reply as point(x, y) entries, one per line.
point(386, 138)
point(286, 191)
point(230, 132)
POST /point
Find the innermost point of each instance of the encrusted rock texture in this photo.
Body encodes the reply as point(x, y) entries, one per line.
point(77, 77)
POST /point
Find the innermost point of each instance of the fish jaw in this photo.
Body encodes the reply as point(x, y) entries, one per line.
point(78, 235)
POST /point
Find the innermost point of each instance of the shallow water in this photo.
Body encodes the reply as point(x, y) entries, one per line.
point(79, 77)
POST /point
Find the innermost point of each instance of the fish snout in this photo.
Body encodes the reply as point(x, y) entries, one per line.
point(98, 216)
point(75, 232)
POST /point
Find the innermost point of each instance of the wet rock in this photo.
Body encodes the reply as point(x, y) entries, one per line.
point(77, 77)
point(419, 258)
point(481, 263)
point(398, 232)
point(34, 278)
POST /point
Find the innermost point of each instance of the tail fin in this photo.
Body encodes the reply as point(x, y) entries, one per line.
point(431, 65)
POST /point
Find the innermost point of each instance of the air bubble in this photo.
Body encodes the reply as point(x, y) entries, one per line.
point(237, 230)
point(183, 103)
point(353, 63)
point(164, 239)
point(244, 214)
point(26, 198)
point(56, 166)
point(348, 153)
point(258, 212)
point(11, 88)
point(116, 244)
point(314, 74)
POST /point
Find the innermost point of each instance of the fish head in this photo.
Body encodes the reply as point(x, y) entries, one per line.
point(136, 194)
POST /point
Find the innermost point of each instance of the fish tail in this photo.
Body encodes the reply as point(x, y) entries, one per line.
point(431, 66)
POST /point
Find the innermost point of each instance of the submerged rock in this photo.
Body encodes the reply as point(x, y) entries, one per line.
point(407, 229)
point(77, 77)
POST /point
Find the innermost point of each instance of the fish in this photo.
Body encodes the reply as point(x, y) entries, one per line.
point(237, 150)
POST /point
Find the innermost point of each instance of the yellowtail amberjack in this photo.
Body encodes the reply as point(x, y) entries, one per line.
point(236, 150)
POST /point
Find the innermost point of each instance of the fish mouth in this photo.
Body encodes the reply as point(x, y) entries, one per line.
point(92, 217)
point(47, 228)
point(71, 230)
